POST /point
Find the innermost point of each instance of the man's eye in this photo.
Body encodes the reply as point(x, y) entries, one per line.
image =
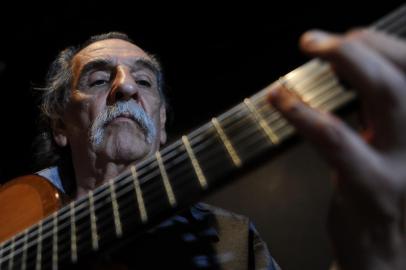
point(98, 83)
point(144, 83)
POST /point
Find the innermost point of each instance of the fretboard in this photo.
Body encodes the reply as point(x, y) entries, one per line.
point(178, 175)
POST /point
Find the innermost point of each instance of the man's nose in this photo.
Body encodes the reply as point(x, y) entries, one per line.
point(123, 87)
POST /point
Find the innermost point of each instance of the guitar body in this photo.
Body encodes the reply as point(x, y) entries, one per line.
point(25, 201)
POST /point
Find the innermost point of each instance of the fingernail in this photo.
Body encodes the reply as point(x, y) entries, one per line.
point(281, 98)
point(315, 38)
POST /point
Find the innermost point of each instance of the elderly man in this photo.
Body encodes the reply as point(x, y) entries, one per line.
point(104, 110)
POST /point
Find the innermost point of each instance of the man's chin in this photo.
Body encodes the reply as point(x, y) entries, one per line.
point(124, 151)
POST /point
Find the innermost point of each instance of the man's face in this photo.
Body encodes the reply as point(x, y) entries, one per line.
point(115, 109)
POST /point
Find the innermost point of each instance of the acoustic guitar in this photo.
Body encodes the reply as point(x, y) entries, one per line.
point(38, 231)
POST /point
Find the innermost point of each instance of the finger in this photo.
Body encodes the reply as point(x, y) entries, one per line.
point(342, 147)
point(371, 73)
point(391, 47)
point(380, 82)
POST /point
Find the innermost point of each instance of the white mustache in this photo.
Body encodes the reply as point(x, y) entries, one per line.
point(130, 110)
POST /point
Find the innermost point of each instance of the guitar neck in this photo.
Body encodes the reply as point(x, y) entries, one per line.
point(178, 175)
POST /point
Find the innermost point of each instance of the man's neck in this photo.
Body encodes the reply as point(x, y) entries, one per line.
point(93, 169)
point(97, 176)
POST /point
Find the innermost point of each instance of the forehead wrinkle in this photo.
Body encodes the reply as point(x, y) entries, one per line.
point(112, 51)
point(114, 45)
point(111, 61)
point(109, 47)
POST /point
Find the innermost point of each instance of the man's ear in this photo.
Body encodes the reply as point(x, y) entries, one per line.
point(59, 132)
point(162, 118)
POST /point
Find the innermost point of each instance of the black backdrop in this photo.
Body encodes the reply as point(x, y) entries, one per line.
point(213, 57)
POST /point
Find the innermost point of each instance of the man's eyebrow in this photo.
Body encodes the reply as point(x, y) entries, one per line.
point(96, 63)
point(148, 64)
point(109, 63)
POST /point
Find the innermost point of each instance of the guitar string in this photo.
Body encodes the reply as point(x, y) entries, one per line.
point(390, 22)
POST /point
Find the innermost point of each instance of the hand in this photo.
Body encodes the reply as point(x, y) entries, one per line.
point(368, 214)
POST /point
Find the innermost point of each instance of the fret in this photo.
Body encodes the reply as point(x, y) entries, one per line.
point(230, 149)
point(288, 84)
point(165, 179)
point(261, 121)
point(116, 213)
point(11, 254)
point(302, 74)
point(73, 238)
point(93, 224)
point(304, 82)
point(39, 248)
point(55, 241)
point(25, 248)
point(307, 80)
point(195, 163)
point(138, 195)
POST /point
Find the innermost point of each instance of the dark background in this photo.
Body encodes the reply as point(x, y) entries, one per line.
point(213, 57)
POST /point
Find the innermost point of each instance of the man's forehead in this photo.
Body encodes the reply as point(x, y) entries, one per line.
point(116, 49)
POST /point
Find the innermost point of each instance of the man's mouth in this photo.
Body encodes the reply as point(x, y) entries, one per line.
point(124, 117)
